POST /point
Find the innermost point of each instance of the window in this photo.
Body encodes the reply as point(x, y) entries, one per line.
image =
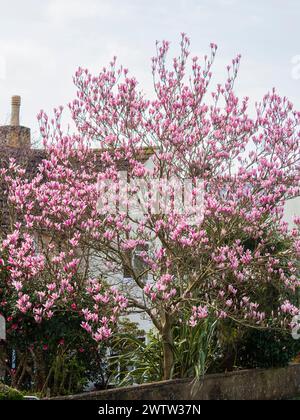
point(138, 264)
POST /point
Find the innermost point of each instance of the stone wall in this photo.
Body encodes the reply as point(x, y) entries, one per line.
point(272, 384)
point(15, 136)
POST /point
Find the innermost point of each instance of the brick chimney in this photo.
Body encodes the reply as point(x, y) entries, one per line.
point(15, 135)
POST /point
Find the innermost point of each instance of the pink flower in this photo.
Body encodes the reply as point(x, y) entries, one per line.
point(229, 303)
point(102, 333)
point(86, 327)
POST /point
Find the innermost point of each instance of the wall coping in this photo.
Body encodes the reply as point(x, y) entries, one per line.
point(271, 384)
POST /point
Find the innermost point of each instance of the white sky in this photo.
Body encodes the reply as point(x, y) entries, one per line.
point(43, 42)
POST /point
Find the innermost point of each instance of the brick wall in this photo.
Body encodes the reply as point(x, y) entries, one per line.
point(15, 136)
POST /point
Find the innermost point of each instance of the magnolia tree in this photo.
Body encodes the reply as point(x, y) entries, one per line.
point(204, 217)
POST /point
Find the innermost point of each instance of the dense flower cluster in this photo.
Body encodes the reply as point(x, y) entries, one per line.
point(35, 291)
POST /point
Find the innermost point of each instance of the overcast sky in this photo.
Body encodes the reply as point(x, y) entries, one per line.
point(43, 42)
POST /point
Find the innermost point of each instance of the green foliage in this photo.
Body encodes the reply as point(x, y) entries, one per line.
point(194, 348)
point(142, 362)
point(266, 349)
point(247, 348)
point(209, 347)
point(7, 393)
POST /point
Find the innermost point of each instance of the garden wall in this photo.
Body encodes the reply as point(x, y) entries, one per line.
point(242, 385)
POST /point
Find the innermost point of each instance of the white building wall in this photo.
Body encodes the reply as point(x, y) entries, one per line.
point(292, 210)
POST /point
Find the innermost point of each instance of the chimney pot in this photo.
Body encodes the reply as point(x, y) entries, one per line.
point(14, 135)
point(15, 110)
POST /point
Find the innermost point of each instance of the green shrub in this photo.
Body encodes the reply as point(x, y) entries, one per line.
point(141, 361)
point(248, 348)
point(267, 349)
point(7, 393)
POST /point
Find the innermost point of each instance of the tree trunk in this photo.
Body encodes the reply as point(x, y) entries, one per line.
point(39, 369)
point(168, 350)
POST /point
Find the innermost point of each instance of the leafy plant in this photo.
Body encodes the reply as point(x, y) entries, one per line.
point(7, 393)
point(194, 348)
point(143, 360)
point(141, 363)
